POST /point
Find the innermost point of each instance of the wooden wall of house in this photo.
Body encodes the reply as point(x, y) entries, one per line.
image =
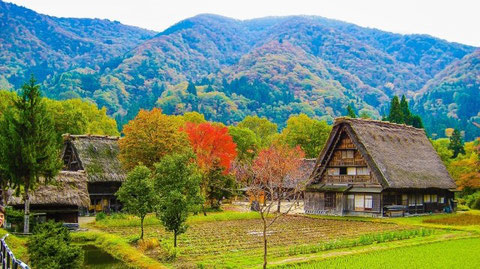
point(339, 160)
point(314, 203)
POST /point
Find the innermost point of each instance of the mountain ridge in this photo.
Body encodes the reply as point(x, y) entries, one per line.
point(272, 66)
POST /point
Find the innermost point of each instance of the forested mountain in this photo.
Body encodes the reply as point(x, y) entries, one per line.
point(452, 98)
point(273, 67)
point(45, 45)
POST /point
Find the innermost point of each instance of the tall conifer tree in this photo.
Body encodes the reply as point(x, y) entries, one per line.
point(351, 112)
point(456, 143)
point(396, 114)
point(29, 144)
point(405, 111)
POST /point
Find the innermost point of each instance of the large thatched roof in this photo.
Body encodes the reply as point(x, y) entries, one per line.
point(400, 156)
point(98, 156)
point(69, 188)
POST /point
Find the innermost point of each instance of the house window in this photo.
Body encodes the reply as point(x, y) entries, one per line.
point(363, 171)
point(351, 171)
point(411, 200)
point(329, 200)
point(351, 202)
point(359, 202)
point(419, 199)
point(334, 171)
point(368, 202)
point(442, 200)
point(347, 154)
point(404, 199)
point(343, 170)
point(434, 198)
point(426, 198)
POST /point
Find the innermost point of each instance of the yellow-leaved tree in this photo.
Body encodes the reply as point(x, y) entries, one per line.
point(149, 137)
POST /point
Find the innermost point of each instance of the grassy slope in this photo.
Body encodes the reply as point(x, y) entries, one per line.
point(18, 245)
point(118, 247)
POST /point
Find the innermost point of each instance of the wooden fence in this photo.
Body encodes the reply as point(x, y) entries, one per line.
point(8, 259)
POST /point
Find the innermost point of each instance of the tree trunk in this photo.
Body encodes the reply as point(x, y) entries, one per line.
point(141, 225)
point(5, 201)
point(26, 223)
point(204, 210)
point(264, 241)
point(279, 203)
point(174, 239)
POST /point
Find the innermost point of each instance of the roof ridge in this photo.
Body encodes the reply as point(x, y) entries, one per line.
point(339, 120)
point(69, 136)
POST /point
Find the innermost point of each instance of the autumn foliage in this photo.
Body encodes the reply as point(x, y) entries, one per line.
point(470, 178)
point(212, 144)
point(149, 137)
point(273, 165)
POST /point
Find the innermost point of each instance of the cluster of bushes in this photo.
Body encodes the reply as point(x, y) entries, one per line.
point(50, 246)
point(472, 201)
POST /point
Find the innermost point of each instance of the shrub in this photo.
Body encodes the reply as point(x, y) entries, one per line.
point(50, 247)
point(475, 203)
point(100, 216)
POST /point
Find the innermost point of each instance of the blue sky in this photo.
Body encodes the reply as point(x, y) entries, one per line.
point(457, 20)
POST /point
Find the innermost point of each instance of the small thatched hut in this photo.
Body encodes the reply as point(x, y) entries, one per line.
point(377, 168)
point(59, 200)
point(98, 157)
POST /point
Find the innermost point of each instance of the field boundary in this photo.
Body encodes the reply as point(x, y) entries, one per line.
point(119, 248)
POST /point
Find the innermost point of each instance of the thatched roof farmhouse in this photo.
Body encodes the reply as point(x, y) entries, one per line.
point(370, 167)
point(60, 199)
point(98, 157)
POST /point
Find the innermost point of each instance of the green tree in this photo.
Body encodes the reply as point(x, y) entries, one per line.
point(405, 111)
point(137, 194)
point(262, 127)
point(396, 114)
point(220, 186)
point(416, 121)
point(51, 247)
point(194, 117)
point(29, 144)
point(456, 143)
point(191, 89)
point(246, 141)
point(177, 182)
point(351, 112)
point(308, 133)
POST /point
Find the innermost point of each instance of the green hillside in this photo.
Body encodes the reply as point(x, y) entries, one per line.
point(452, 98)
point(273, 67)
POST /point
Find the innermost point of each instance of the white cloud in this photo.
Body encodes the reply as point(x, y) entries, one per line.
point(452, 20)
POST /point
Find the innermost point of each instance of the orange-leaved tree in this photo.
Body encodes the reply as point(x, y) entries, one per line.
point(215, 150)
point(469, 179)
point(275, 174)
point(149, 137)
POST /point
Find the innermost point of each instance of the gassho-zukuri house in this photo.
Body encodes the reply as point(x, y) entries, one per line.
point(90, 177)
point(376, 168)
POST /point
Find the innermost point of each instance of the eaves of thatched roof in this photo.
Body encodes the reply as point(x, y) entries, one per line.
point(400, 156)
point(98, 156)
point(68, 189)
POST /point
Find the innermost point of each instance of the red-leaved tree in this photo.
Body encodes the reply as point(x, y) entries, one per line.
point(215, 150)
point(275, 174)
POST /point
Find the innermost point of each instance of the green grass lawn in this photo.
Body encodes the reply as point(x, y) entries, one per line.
point(462, 253)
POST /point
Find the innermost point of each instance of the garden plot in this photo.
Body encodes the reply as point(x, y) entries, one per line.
point(226, 241)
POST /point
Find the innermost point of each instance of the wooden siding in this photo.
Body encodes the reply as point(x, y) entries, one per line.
point(356, 160)
point(315, 204)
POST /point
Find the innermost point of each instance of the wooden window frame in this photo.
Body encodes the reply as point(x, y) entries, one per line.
point(330, 200)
